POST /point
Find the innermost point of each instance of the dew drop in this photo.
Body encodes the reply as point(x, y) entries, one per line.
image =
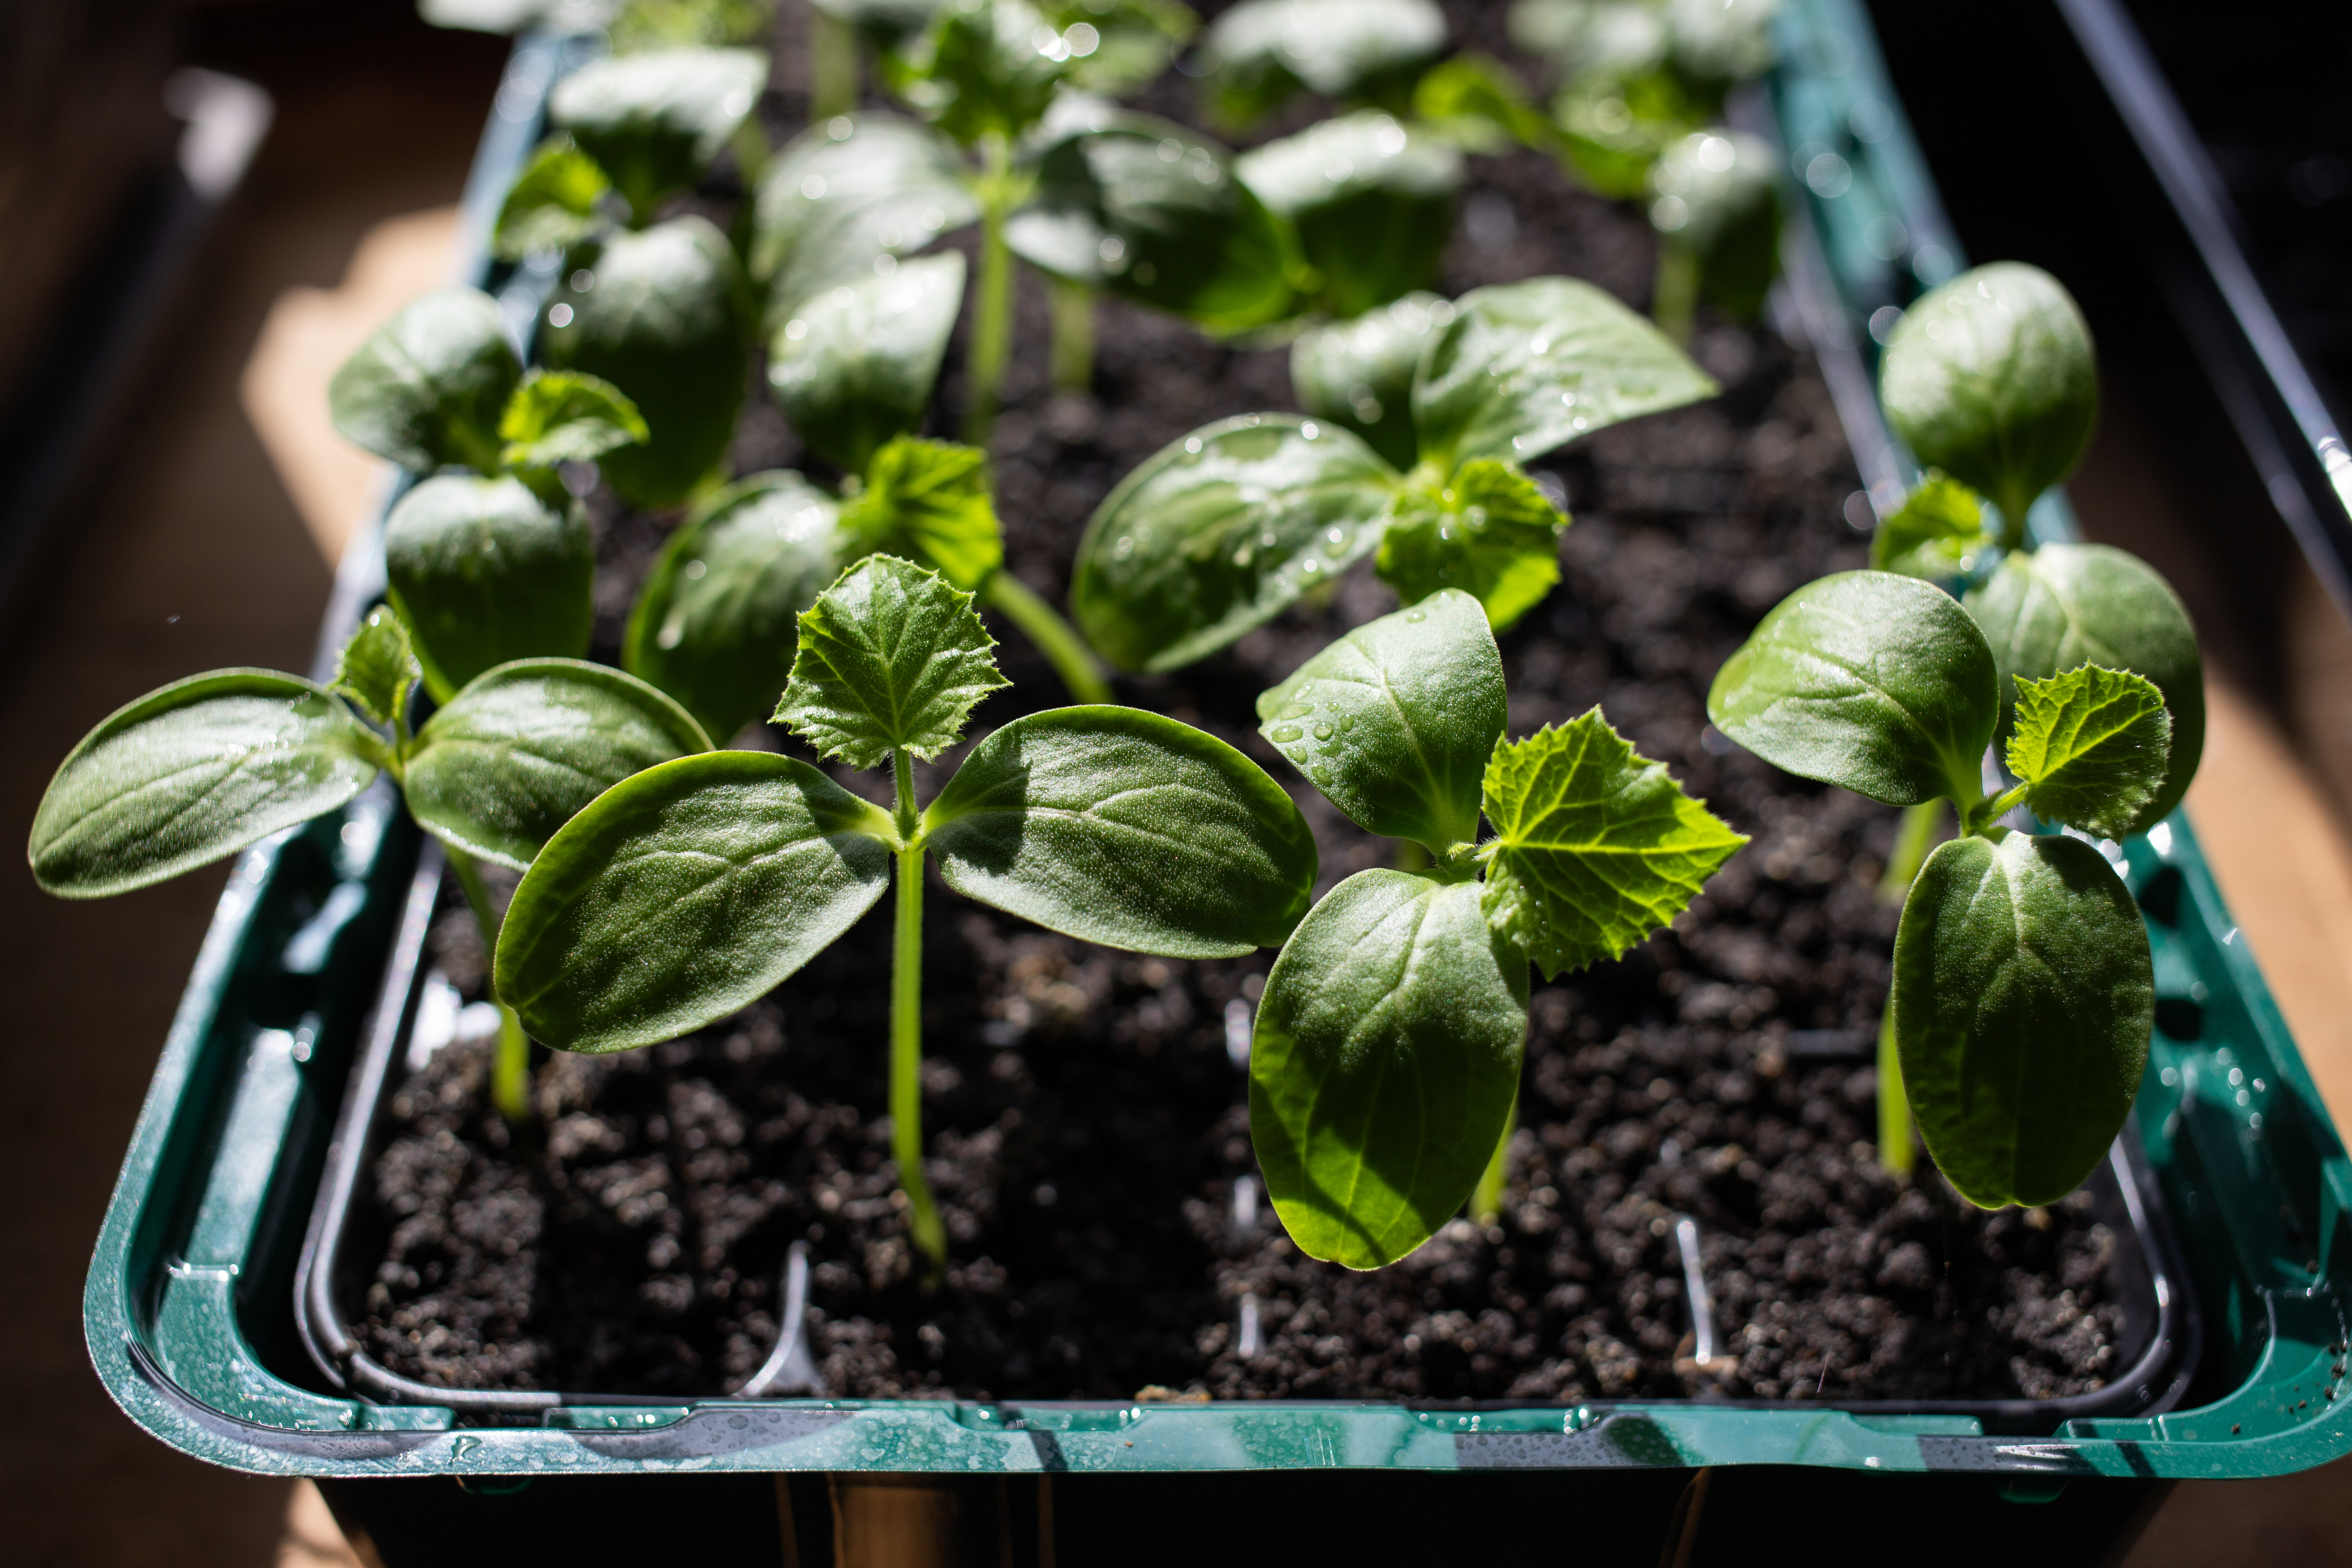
point(1324, 732)
point(1287, 734)
point(1298, 753)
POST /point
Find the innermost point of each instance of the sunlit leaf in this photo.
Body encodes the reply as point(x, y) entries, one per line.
point(2093, 743)
point(654, 122)
point(1488, 530)
point(855, 364)
point(377, 669)
point(1936, 534)
point(426, 389)
point(551, 205)
point(566, 417)
point(484, 572)
point(1262, 51)
point(928, 501)
point(892, 658)
point(1371, 199)
point(1359, 372)
point(847, 192)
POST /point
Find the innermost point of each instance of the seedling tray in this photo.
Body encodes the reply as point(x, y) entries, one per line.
point(310, 963)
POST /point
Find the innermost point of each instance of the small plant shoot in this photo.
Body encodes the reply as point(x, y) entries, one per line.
point(2023, 993)
point(1384, 1066)
point(1262, 53)
point(199, 770)
point(699, 886)
point(1715, 202)
point(496, 566)
point(1222, 529)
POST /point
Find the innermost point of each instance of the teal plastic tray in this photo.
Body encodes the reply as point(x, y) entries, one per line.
point(188, 1309)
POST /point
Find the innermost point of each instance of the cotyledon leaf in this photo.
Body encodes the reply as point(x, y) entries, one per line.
point(1875, 681)
point(1383, 1064)
point(654, 122)
point(2024, 997)
point(518, 752)
point(1595, 847)
point(857, 364)
point(683, 893)
point(191, 773)
point(2093, 743)
point(427, 388)
point(1126, 828)
point(484, 572)
point(844, 193)
point(892, 658)
point(1396, 720)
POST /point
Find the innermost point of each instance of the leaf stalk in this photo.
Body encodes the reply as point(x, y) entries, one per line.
point(992, 325)
point(510, 1068)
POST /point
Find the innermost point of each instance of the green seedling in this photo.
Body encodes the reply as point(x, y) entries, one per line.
point(660, 309)
point(1221, 530)
point(202, 768)
point(854, 370)
point(1715, 203)
point(496, 564)
point(1370, 201)
point(693, 889)
point(2023, 993)
point(1638, 76)
point(1371, 52)
point(1384, 1068)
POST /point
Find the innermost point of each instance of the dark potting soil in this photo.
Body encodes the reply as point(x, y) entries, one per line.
point(1086, 1113)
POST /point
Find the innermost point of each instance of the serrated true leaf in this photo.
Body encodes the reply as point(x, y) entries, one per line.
point(378, 668)
point(1384, 1064)
point(427, 388)
point(684, 893)
point(1125, 828)
point(2063, 605)
point(1596, 846)
point(928, 501)
point(1371, 201)
point(566, 417)
point(892, 658)
point(1877, 682)
point(855, 364)
point(194, 771)
point(978, 69)
point(2023, 999)
point(1525, 367)
point(1395, 722)
point(1936, 534)
point(551, 205)
point(518, 752)
point(654, 122)
point(717, 623)
point(1487, 531)
point(1360, 372)
point(1477, 102)
point(484, 572)
point(1216, 534)
point(2093, 742)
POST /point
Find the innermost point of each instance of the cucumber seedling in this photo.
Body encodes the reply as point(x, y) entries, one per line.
point(1384, 1066)
point(200, 769)
point(496, 564)
point(2023, 989)
point(692, 890)
point(1220, 530)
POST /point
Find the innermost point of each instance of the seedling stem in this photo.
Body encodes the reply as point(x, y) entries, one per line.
point(1054, 638)
point(992, 325)
point(511, 1070)
point(1074, 335)
point(907, 1029)
point(1487, 1199)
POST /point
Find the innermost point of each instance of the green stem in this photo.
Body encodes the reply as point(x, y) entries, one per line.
point(510, 1068)
point(1054, 636)
point(1413, 855)
point(992, 322)
point(907, 1032)
point(1898, 1151)
point(1921, 822)
point(833, 67)
point(1675, 300)
point(1487, 1197)
point(1074, 335)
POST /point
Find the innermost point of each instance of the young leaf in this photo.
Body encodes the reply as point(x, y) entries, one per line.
point(2024, 997)
point(928, 502)
point(979, 70)
point(1149, 211)
point(1371, 200)
point(1218, 533)
point(717, 623)
point(1992, 379)
point(684, 893)
point(1133, 40)
point(427, 388)
point(566, 417)
point(483, 572)
point(1385, 1064)
point(1477, 102)
point(846, 193)
point(518, 752)
point(1880, 683)
point(1715, 194)
point(1122, 827)
point(654, 123)
point(1596, 845)
point(1487, 531)
point(1938, 532)
point(191, 773)
point(1262, 51)
point(1359, 372)
point(1395, 722)
point(664, 318)
point(857, 364)
point(1523, 367)
point(2064, 605)
point(377, 669)
point(892, 659)
point(2093, 743)
point(552, 203)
